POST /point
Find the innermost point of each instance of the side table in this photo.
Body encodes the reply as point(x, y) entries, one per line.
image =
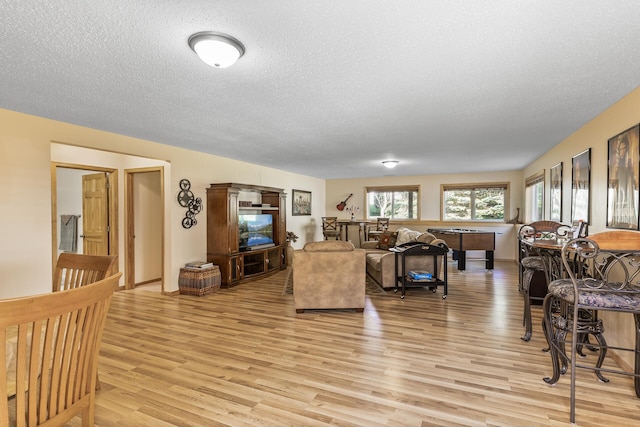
point(420, 249)
point(199, 281)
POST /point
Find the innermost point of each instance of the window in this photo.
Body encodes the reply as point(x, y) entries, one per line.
point(474, 202)
point(393, 202)
point(534, 197)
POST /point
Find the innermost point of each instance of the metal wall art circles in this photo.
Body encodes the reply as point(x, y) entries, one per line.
point(187, 200)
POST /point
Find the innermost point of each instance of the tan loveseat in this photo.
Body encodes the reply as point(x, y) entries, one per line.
point(329, 274)
point(381, 261)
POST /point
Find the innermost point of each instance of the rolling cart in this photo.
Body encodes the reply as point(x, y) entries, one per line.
point(420, 249)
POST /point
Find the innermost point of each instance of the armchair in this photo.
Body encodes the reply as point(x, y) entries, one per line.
point(329, 274)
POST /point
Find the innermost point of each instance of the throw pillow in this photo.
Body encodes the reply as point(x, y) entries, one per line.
point(406, 235)
point(387, 240)
point(403, 236)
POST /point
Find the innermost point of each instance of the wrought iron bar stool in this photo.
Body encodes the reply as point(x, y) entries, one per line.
point(609, 281)
point(540, 250)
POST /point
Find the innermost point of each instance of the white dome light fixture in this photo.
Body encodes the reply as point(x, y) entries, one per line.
point(390, 164)
point(216, 49)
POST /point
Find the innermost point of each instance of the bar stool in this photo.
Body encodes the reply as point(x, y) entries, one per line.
point(330, 227)
point(606, 279)
point(534, 261)
point(382, 224)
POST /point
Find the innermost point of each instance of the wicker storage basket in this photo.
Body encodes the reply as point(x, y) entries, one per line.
point(200, 281)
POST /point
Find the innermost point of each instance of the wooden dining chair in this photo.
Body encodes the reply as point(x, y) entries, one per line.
point(51, 344)
point(75, 270)
point(330, 227)
point(382, 224)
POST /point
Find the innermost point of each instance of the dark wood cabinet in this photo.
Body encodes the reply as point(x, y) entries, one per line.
point(223, 247)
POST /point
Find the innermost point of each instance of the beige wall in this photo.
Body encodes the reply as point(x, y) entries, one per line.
point(69, 155)
point(338, 189)
point(25, 252)
point(29, 144)
point(595, 135)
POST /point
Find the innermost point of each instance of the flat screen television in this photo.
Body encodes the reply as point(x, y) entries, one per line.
point(255, 230)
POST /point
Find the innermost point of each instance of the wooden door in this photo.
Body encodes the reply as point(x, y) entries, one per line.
point(95, 213)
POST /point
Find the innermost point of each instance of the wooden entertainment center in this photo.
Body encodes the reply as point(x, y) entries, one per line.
point(224, 203)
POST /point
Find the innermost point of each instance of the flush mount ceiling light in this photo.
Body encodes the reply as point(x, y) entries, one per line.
point(390, 164)
point(216, 49)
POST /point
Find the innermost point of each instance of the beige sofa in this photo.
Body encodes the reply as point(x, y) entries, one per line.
point(381, 261)
point(329, 274)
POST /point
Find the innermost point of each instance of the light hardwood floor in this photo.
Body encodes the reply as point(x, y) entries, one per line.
point(243, 357)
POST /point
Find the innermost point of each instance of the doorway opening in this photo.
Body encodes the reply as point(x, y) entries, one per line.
point(122, 199)
point(84, 215)
point(144, 218)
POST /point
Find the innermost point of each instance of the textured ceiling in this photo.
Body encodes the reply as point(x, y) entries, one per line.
point(328, 88)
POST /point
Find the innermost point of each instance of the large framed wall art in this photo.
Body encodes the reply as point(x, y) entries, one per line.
point(555, 214)
point(301, 203)
point(580, 186)
point(622, 186)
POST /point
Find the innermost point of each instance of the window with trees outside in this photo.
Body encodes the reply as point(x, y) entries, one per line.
point(474, 202)
point(397, 202)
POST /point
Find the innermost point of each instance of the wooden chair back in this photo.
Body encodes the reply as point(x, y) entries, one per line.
point(330, 227)
point(544, 229)
point(329, 223)
point(382, 224)
point(75, 270)
point(51, 343)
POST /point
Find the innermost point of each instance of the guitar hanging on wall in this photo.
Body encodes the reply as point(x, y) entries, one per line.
point(343, 204)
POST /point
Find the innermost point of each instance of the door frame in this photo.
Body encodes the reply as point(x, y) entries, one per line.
point(113, 207)
point(129, 231)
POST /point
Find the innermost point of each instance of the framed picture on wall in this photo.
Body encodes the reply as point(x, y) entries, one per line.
point(301, 202)
point(622, 185)
point(555, 197)
point(580, 186)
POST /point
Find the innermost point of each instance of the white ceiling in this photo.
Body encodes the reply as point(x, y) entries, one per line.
point(328, 88)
